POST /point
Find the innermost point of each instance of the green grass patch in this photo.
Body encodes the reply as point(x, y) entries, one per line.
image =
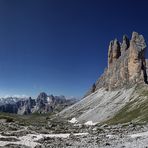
point(134, 111)
point(26, 120)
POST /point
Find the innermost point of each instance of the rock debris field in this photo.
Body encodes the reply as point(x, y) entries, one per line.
point(73, 135)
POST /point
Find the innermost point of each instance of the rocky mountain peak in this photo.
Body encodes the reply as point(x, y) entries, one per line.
point(42, 95)
point(126, 64)
point(114, 52)
point(125, 44)
point(42, 98)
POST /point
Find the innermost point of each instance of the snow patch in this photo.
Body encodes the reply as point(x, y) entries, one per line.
point(73, 120)
point(90, 123)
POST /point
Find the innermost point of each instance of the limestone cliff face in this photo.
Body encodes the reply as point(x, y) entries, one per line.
point(126, 64)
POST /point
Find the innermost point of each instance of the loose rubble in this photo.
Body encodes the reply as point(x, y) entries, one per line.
point(67, 135)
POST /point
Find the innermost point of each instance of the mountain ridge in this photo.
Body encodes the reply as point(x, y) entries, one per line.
point(42, 104)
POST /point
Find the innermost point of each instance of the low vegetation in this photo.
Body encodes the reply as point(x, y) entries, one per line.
point(134, 111)
point(26, 120)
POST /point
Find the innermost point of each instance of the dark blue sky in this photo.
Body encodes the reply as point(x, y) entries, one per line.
point(60, 46)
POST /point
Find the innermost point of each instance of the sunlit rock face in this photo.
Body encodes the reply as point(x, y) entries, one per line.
point(126, 64)
point(137, 63)
point(114, 52)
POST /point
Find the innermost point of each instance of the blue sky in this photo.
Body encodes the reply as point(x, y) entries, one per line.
point(60, 46)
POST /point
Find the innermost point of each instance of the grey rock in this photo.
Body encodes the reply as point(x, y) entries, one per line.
point(43, 104)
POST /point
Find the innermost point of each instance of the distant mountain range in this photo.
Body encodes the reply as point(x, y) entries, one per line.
point(42, 104)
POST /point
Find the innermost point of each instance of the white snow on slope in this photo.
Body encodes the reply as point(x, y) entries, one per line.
point(90, 123)
point(73, 120)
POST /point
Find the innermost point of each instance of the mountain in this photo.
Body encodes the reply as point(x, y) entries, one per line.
point(10, 100)
point(42, 104)
point(121, 93)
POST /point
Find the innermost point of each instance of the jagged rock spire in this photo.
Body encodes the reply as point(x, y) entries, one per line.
point(137, 56)
point(125, 44)
point(114, 52)
point(126, 63)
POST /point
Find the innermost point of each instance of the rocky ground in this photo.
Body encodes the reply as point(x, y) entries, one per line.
point(60, 133)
